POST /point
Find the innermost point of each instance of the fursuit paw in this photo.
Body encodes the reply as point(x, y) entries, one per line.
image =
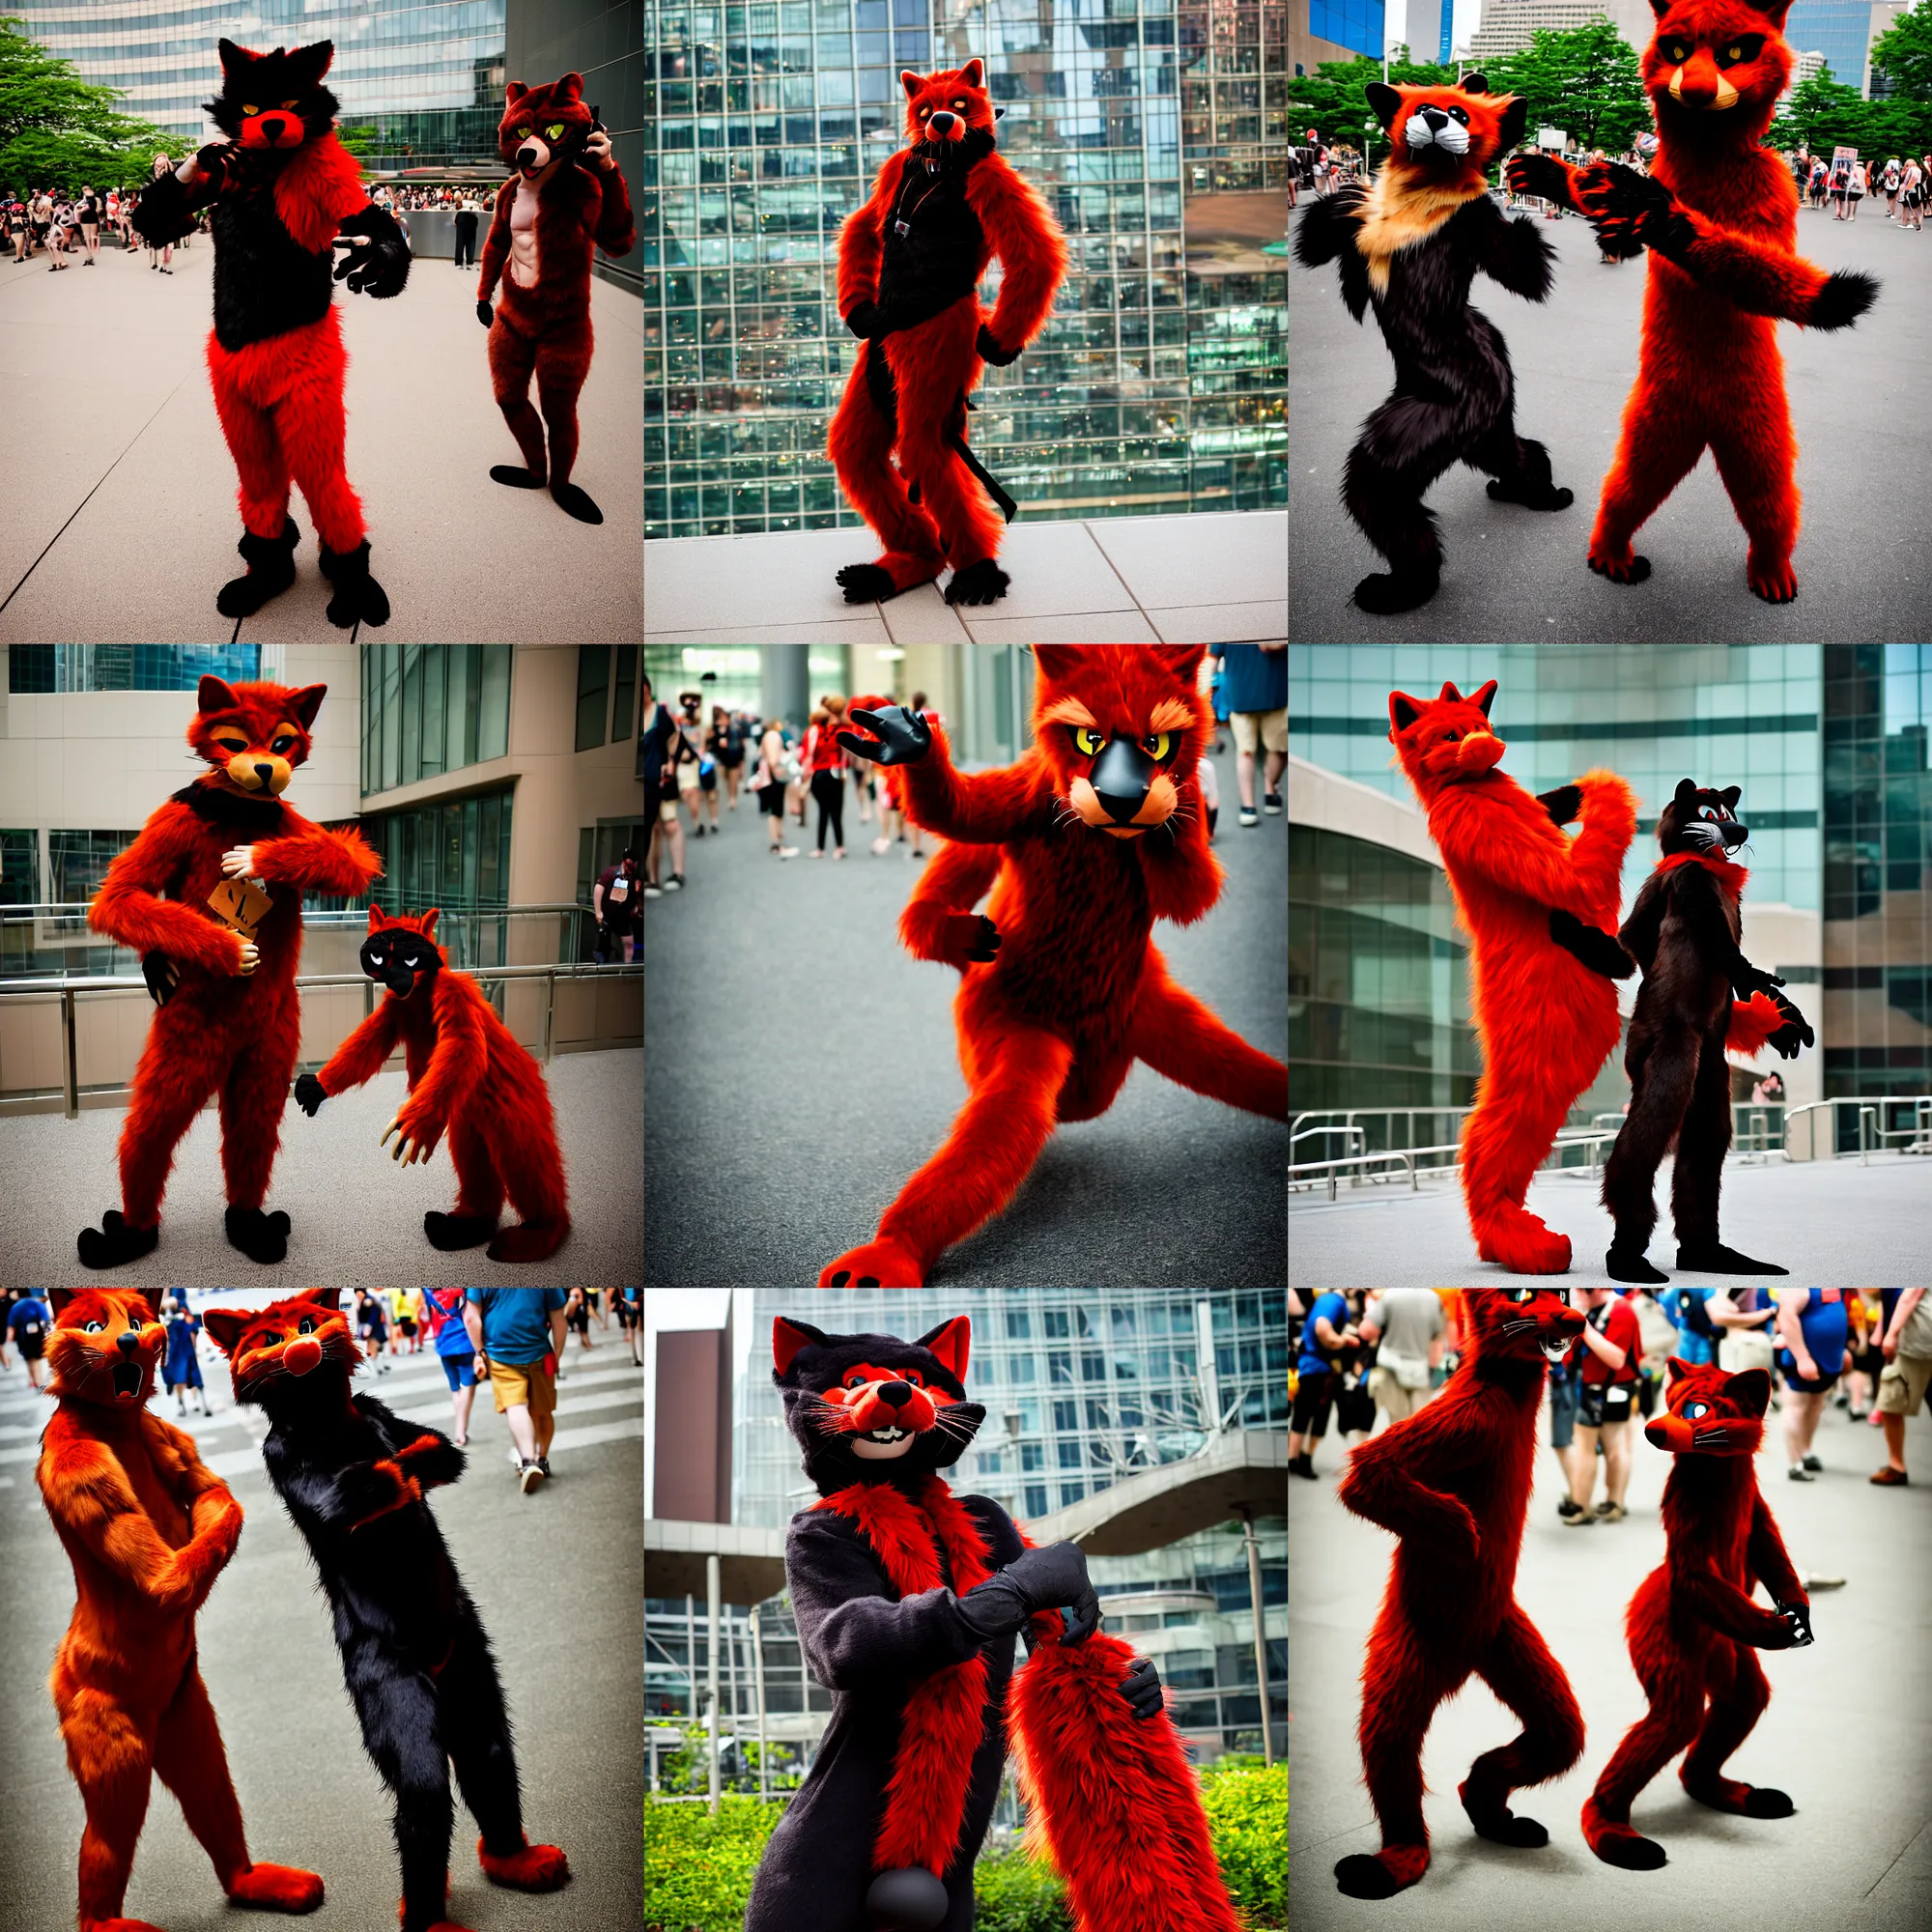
point(1845, 296)
point(1531, 495)
point(534, 1868)
point(116, 1243)
point(1717, 1258)
point(262, 1237)
point(1741, 1801)
point(1382, 1874)
point(271, 569)
point(1631, 1264)
point(1525, 1246)
point(528, 1241)
point(1499, 1824)
point(358, 598)
point(516, 479)
point(575, 502)
point(982, 582)
point(1384, 595)
point(866, 583)
point(879, 1264)
point(452, 1232)
point(1619, 1845)
point(1629, 568)
point(116, 1925)
point(1776, 581)
point(276, 1888)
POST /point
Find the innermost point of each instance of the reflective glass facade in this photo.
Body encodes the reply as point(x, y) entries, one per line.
point(1356, 24)
point(1838, 29)
point(428, 709)
point(1154, 388)
point(427, 74)
point(32, 668)
point(453, 855)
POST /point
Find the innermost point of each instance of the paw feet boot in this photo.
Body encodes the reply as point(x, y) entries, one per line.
point(358, 598)
point(271, 569)
point(116, 1243)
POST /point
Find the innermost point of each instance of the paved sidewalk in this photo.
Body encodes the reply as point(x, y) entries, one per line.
point(117, 507)
point(357, 1214)
point(309, 1795)
point(1512, 576)
point(801, 1065)
point(1845, 1733)
point(1831, 1223)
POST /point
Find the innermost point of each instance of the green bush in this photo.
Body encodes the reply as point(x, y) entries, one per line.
point(1015, 1895)
point(698, 1868)
point(1247, 1814)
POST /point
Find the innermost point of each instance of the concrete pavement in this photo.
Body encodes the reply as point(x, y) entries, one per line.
point(1845, 1733)
point(356, 1215)
point(117, 509)
point(801, 1065)
point(1831, 1223)
point(1514, 576)
point(557, 1577)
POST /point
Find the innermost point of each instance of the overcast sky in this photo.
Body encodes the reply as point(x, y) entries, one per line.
point(1396, 22)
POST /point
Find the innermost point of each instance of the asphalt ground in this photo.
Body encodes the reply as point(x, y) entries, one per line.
point(557, 1574)
point(1514, 576)
point(356, 1215)
point(1844, 1734)
point(1832, 1224)
point(800, 1065)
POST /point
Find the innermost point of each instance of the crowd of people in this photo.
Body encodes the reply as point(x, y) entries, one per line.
point(1367, 1353)
point(1844, 182)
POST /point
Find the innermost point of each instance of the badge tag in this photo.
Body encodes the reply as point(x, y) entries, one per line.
point(901, 227)
point(239, 906)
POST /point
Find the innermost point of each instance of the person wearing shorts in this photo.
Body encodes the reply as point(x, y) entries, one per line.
point(406, 1320)
point(1907, 1349)
point(631, 1319)
point(577, 1314)
point(1606, 1403)
point(517, 1335)
point(1407, 1326)
point(1813, 1327)
point(1323, 1339)
point(1565, 1381)
point(1254, 681)
point(440, 1312)
point(28, 1326)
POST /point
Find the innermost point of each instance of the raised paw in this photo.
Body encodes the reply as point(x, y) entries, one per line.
point(879, 1264)
point(1776, 581)
point(533, 1868)
point(1629, 568)
point(982, 582)
point(866, 583)
point(1384, 596)
point(276, 1888)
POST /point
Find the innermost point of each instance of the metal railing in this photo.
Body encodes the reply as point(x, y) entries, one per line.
point(68, 990)
point(1873, 1134)
point(1587, 1139)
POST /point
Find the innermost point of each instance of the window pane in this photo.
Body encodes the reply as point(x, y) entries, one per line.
point(493, 732)
point(412, 677)
point(458, 716)
point(627, 692)
point(393, 716)
point(434, 657)
point(593, 690)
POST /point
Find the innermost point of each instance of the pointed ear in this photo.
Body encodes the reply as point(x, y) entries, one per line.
point(1404, 711)
point(910, 82)
point(315, 61)
point(429, 923)
point(514, 92)
point(788, 1337)
point(1751, 1389)
point(307, 701)
point(214, 695)
point(225, 1327)
point(974, 72)
point(950, 1343)
point(1672, 1370)
point(570, 87)
point(376, 919)
point(1685, 792)
point(141, 1308)
point(1384, 102)
point(1730, 795)
point(1473, 83)
point(1449, 694)
point(326, 1297)
point(1182, 661)
point(1484, 699)
point(234, 59)
point(59, 1297)
point(1515, 123)
point(1057, 662)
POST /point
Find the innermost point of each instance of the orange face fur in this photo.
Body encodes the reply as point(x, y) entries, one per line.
point(1123, 726)
point(1710, 1413)
point(288, 1338)
point(1716, 68)
point(1442, 135)
point(104, 1346)
point(255, 735)
point(943, 106)
point(1444, 740)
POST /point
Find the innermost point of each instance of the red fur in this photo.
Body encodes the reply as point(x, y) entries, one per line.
point(148, 1530)
point(543, 331)
point(1546, 1023)
point(1692, 1624)
point(1453, 1482)
point(1048, 1031)
point(534, 1868)
point(1753, 1021)
point(221, 1034)
point(936, 362)
point(468, 1078)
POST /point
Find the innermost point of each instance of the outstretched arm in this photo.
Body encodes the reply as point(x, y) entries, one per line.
point(357, 1059)
point(169, 204)
point(939, 921)
point(1769, 1562)
point(1021, 231)
point(315, 859)
point(985, 809)
point(127, 909)
point(460, 1061)
point(1633, 211)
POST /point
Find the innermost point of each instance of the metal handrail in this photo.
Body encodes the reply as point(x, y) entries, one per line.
point(1314, 1134)
point(1919, 1135)
point(67, 988)
point(1567, 1137)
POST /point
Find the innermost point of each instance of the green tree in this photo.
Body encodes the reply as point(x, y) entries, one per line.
point(1586, 81)
point(1904, 52)
point(361, 140)
point(1334, 98)
point(1823, 114)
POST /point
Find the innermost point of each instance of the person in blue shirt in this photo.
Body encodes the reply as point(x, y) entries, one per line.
point(1254, 686)
point(1689, 1309)
point(440, 1314)
point(1813, 1327)
point(516, 1334)
point(1324, 1337)
point(28, 1326)
point(629, 1305)
point(180, 1370)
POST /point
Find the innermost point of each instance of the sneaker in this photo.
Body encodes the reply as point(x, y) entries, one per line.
point(1889, 1478)
point(1607, 1512)
point(1811, 1582)
point(1567, 1507)
point(819, 853)
point(787, 851)
point(676, 883)
point(529, 1476)
point(1813, 1463)
point(1249, 816)
point(543, 1463)
point(654, 892)
point(1271, 804)
point(516, 1461)
point(1581, 1519)
point(880, 847)
point(697, 832)
point(1799, 1473)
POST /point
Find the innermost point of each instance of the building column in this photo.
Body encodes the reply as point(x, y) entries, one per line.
point(712, 1593)
point(784, 682)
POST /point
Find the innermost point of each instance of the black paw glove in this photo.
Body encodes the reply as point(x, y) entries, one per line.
point(1543, 175)
point(309, 1094)
point(1796, 1032)
point(1747, 978)
point(990, 350)
point(1845, 296)
point(1054, 1578)
point(378, 262)
point(161, 975)
point(1798, 1618)
point(1630, 212)
point(870, 322)
point(1141, 1689)
point(1562, 805)
point(902, 737)
point(1591, 945)
point(485, 314)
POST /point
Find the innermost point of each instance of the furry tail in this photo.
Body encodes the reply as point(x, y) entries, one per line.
point(1114, 1796)
point(1753, 1021)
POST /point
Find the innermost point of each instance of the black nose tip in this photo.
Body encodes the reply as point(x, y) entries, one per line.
point(898, 1394)
point(941, 122)
point(127, 1341)
point(265, 773)
point(1736, 834)
point(1120, 780)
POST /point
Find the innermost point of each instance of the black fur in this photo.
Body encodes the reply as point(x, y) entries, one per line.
point(1683, 931)
point(266, 283)
point(1455, 395)
point(934, 264)
point(414, 1656)
point(396, 957)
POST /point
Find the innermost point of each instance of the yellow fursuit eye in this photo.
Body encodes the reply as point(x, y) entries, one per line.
point(1089, 744)
point(289, 105)
point(523, 134)
point(555, 130)
point(1157, 743)
point(249, 107)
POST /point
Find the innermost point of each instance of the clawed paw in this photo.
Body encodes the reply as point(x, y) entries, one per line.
point(866, 583)
point(982, 582)
point(879, 1264)
point(1626, 569)
point(1776, 583)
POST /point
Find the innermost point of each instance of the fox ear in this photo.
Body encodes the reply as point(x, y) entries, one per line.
point(1182, 661)
point(213, 695)
point(225, 1327)
point(315, 61)
point(514, 92)
point(1673, 1368)
point(788, 1338)
point(1515, 123)
point(1404, 711)
point(1484, 699)
point(950, 1343)
point(324, 1297)
point(570, 88)
point(1057, 662)
point(376, 919)
point(1751, 1390)
point(910, 82)
point(307, 701)
point(1473, 83)
point(974, 72)
point(59, 1297)
point(1685, 792)
point(429, 923)
point(234, 59)
point(1730, 795)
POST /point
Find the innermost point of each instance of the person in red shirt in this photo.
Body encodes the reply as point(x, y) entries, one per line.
point(1606, 1407)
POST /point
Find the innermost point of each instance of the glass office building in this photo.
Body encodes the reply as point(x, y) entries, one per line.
point(1838, 29)
point(1154, 387)
point(32, 668)
point(1355, 24)
point(426, 74)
